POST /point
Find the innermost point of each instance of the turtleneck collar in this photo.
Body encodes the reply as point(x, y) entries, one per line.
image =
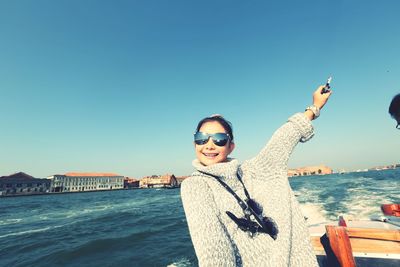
point(224, 170)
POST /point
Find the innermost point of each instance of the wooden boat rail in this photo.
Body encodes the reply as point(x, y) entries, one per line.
point(342, 243)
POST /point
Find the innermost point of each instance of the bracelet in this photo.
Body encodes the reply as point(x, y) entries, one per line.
point(314, 109)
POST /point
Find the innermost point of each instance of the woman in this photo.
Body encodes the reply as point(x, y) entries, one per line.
point(226, 232)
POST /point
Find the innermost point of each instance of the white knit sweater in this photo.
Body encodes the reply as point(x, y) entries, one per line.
point(217, 239)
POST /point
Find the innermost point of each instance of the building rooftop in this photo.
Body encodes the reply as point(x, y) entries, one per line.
point(91, 174)
point(19, 176)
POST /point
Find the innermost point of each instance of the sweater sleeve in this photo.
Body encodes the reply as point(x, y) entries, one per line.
point(275, 155)
point(210, 240)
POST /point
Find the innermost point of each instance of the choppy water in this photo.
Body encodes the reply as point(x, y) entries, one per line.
point(148, 227)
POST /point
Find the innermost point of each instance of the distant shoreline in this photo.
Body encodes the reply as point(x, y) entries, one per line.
point(62, 193)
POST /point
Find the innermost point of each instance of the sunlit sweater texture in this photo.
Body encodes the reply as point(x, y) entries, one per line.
point(217, 240)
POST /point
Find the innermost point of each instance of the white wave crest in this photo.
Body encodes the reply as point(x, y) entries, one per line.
point(26, 232)
point(314, 213)
point(180, 263)
point(33, 231)
point(10, 221)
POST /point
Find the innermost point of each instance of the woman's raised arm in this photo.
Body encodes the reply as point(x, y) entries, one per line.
point(275, 155)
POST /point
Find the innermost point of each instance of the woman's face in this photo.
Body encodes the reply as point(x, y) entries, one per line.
point(210, 153)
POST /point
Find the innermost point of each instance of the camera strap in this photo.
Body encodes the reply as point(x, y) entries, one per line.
point(263, 224)
point(247, 210)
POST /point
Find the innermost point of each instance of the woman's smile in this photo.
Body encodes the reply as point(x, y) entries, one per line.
point(210, 155)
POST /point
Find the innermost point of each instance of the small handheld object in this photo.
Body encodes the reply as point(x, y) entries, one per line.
point(327, 87)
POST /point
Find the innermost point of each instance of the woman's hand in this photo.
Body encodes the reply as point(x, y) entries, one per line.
point(319, 100)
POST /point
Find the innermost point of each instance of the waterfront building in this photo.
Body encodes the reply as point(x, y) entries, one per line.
point(159, 181)
point(20, 183)
point(130, 183)
point(386, 167)
point(78, 182)
point(310, 170)
point(180, 179)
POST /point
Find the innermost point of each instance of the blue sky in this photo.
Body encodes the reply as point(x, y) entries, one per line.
point(119, 86)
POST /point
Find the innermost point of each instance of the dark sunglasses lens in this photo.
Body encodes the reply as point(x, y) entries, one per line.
point(220, 142)
point(201, 141)
point(200, 138)
point(220, 139)
point(398, 126)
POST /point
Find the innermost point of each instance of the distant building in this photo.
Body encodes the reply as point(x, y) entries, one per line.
point(78, 182)
point(23, 184)
point(130, 183)
point(386, 167)
point(166, 181)
point(311, 170)
point(180, 179)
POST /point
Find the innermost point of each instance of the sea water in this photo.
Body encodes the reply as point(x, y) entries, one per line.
point(147, 227)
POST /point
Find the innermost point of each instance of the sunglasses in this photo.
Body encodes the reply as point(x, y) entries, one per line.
point(219, 139)
point(398, 126)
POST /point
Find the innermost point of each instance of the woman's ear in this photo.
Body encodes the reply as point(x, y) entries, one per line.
point(231, 147)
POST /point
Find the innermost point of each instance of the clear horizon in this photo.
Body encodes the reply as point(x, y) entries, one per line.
point(119, 86)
